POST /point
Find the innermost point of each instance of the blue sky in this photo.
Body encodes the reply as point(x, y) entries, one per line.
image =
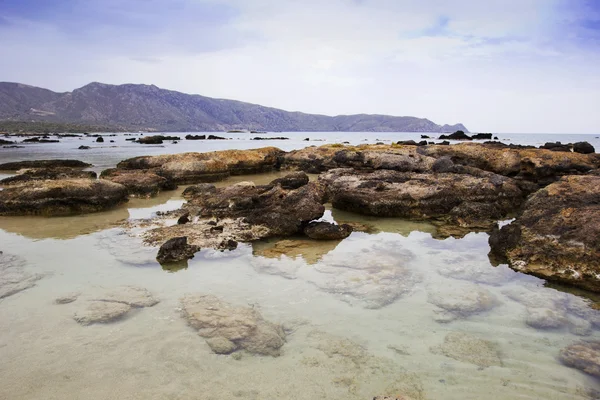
point(495, 65)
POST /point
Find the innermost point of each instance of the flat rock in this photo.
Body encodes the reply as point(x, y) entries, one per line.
point(67, 298)
point(545, 318)
point(458, 301)
point(13, 276)
point(61, 197)
point(101, 312)
point(41, 174)
point(557, 235)
point(243, 326)
point(15, 166)
point(470, 349)
point(131, 295)
point(139, 182)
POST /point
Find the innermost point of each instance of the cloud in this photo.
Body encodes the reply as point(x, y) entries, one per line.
point(498, 65)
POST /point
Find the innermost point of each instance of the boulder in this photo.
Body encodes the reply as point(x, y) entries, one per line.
point(557, 235)
point(557, 146)
point(228, 328)
point(41, 174)
point(176, 249)
point(482, 136)
point(583, 148)
point(292, 181)
point(156, 139)
point(584, 356)
point(195, 137)
point(327, 231)
point(83, 148)
point(139, 182)
point(100, 139)
point(61, 197)
point(458, 135)
point(448, 197)
point(189, 168)
point(15, 166)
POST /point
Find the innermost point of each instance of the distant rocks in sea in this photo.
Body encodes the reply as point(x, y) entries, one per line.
point(156, 139)
point(204, 137)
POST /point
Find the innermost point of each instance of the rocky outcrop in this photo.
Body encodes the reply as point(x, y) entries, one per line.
point(458, 135)
point(61, 197)
point(228, 328)
point(41, 174)
point(539, 166)
point(584, 356)
point(327, 231)
point(176, 249)
point(583, 148)
point(188, 168)
point(460, 199)
point(156, 139)
point(139, 182)
point(557, 235)
point(292, 181)
point(15, 166)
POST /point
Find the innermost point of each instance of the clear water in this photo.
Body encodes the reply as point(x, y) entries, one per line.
point(362, 311)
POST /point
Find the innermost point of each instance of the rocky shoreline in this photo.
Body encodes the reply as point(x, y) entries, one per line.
point(461, 188)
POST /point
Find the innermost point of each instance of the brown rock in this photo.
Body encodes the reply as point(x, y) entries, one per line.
point(139, 183)
point(176, 249)
point(327, 231)
point(584, 356)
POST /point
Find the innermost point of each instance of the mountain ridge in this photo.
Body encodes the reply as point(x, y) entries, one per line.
point(148, 107)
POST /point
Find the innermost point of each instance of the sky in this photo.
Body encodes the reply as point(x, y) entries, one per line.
point(495, 65)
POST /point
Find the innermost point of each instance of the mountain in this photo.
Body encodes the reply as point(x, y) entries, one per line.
point(147, 107)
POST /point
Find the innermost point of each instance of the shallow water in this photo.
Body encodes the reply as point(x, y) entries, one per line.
point(366, 316)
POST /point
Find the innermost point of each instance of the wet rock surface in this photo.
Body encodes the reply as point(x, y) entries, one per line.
point(188, 168)
point(467, 348)
point(40, 174)
point(460, 199)
point(13, 276)
point(176, 249)
point(557, 235)
point(584, 356)
point(112, 305)
point(139, 183)
point(61, 197)
point(327, 231)
point(228, 328)
point(15, 166)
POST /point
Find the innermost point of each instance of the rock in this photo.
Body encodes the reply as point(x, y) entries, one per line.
point(271, 138)
point(482, 136)
point(189, 168)
point(139, 183)
point(443, 165)
point(309, 250)
point(41, 174)
point(15, 166)
point(213, 137)
point(101, 312)
point(557, 146)
point(38, 140)
point(243, 326)
point(67, 298)
point(156, 139)
point(458, 301)
point(2, 141)
point(458, 135)
point(327, 231)
point(100, 140)
point(407, 143)
point(176, 249)
point(584, 356)
point(13, 276)
point(545, 318)
point(221, 345)
point(83, 148)
point(195, 137)
point(61, 197)
point(539, 166)
point(198, 190)
point(423, 196)
point(557, 235)
point(292, 181)
point(444, 143)
point(583, 148)
point(470, 349)
point(282, 212)
point(133, 296)
point(425, 137)
point(184, 219)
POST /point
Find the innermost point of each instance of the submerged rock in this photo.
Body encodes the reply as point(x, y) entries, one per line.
point(61, 197)
point(139, 183)
point(176, 249)
point(67, 298)
point(308, 249)
point(327, 231)
point(545, 318)
point(470, 349)
point(557, 236)
point(13, 276)
point(187, 168)
point(457, 301)
point(584, 356)
point(101, 312)
point(230, 328)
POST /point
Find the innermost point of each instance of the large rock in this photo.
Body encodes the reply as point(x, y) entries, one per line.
point(139, 182)
point(458, 135)
point(327, 231)
point(41, 174)
point(460, 199)
point(584, 356)
point(229, 328)
point(186, 168)
point(15, 166)
point(583, 148)
point(61, 197)
point(176, 249)
point(557, 236)
point(282, 212)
